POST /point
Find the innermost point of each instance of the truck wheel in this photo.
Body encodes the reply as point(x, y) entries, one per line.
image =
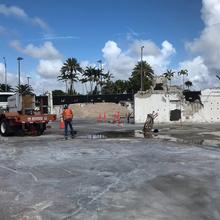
point(40, 128)
point(4, 127)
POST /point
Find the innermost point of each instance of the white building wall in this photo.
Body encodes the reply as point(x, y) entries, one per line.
point(209, 112)
point(159, 103)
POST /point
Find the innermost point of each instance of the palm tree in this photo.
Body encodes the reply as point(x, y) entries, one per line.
point(84, 80)
point(188, 84)
point(169, 74)
point(69, 71)
point(91, 75)
point(101, 79)
point(120, 86)
point(24, 89)
point(146, 68)
point(183, 73)
point(134, 80)
point(108, 76)
point(108, 88)
point(6, 88)
point(108, 85)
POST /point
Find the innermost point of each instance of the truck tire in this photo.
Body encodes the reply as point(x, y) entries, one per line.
point(40, 128)
point(4, 127)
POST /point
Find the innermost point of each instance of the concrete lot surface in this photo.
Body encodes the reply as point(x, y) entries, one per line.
point(119, 176)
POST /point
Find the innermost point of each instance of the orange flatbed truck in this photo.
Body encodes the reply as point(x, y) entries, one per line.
point(21, 117)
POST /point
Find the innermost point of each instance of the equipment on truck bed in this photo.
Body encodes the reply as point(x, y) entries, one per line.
point(22, 117)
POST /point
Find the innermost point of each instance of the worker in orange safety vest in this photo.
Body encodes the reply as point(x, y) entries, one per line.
point(68, 117)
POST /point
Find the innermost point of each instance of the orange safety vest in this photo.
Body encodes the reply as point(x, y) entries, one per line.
point(67, 114)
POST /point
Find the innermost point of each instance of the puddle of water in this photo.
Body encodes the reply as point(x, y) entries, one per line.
point(112, 134)
point(197, 140)
point(120, 134)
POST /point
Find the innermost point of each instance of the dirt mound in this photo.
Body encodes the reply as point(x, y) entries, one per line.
point(95, 110)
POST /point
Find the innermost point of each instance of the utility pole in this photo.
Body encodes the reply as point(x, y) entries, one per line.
point(5, 74)
point(19, 72)
point(142, 47)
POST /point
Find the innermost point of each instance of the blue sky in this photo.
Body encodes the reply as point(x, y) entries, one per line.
point(47, 32)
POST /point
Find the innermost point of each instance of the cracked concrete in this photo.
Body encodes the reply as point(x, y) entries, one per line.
point(45, 177)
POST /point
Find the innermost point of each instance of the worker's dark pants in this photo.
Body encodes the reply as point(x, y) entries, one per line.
point(68, 123)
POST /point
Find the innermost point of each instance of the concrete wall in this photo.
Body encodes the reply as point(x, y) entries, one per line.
point(208, 110)
point(159, 103)
point(211, 107)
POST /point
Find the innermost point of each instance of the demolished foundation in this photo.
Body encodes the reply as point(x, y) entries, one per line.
point(175, 105)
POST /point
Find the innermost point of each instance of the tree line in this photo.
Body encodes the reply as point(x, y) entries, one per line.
point(169, 74)
point(97, 81)
point(23, 89)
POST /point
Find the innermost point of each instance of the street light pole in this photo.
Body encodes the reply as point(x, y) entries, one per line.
point(19, 72)
point(100, 62)
point(5, 74)
point(28, 79)
point(142, 47)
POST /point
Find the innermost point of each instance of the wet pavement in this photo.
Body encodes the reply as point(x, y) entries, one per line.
point(111, 171)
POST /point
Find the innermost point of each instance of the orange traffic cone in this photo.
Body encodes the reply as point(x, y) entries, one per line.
point(99, 119)
point(114, 118)
point(105, 117)
point(61, 123)
point(118, 117)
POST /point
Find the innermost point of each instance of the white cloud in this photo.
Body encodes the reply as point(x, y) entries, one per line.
point(49, 64)
point(210, 12)
point(41, 85)
point(49, 68)
point(150, 48)
point(39, 82)
point(111, 49)
point(86, 63)
point(46, 51)
point(160, 61)
point(207, 45)
point(198, 73)
point(2, 70)
point(12, 10)
point(20, 13)
point(121, 63)
point(39, 22)
point(58, 37)
point(12, 78)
